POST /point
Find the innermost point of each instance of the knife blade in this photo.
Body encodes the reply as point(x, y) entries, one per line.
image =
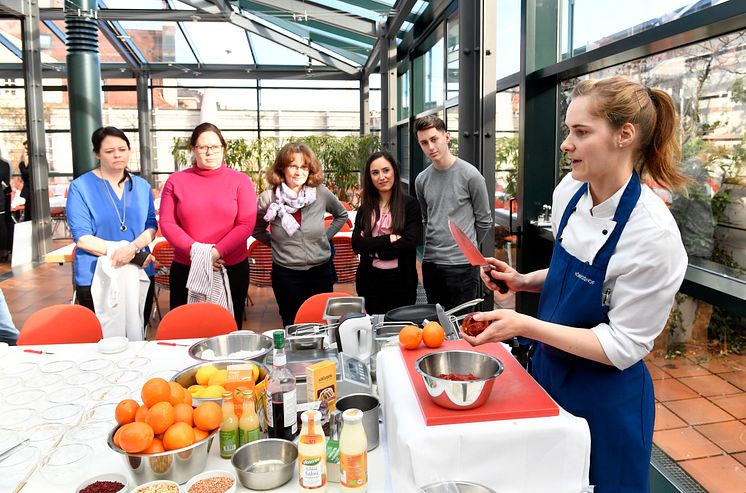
point(445, 322)
point(473, 255)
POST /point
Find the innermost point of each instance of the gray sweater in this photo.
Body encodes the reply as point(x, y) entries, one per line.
point(459, 194)
point(309, 246)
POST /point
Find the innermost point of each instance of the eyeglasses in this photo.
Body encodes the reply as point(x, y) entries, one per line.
point(204, 149)
point(295, 167)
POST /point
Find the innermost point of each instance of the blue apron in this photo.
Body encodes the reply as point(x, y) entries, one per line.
point(618, 405)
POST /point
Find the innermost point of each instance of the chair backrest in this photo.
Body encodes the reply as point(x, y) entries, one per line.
point(312, 310)
point(261, 271)
point(196, 320)
point(346, 205)
point(164, 256)
point(61, 324)
point(346, 227)
point(345, 259)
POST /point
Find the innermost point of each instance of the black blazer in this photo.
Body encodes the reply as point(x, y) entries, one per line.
point(405, 249)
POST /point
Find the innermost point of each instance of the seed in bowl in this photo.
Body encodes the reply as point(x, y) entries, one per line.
point(217, 484)
point(103, 487)
point(159, 488)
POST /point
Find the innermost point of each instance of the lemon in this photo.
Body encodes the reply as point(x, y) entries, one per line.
point(218, 378)
point(195, 390)
point(212, 392)
point(204, 373)
point(255, 372)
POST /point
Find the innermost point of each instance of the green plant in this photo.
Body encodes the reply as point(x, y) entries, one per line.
point(728, 330)
point(181, 152)
point(506, 159)
point(674, 325)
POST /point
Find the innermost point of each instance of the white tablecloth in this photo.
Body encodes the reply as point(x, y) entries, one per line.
point(532, 455)
point(156, 360)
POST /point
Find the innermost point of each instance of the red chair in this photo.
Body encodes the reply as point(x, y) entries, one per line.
point(261, 267)
point(346, 205)
point(346, 227)
point(312, 310)
point(61, 324)
point(196, 320)
point(164, 257)
point(345, 259)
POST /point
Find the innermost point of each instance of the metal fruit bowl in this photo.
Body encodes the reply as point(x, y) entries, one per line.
point(174, 465)
point(265, 464)
point(455, 487)
point(456, 394)
point(255, 346)
point(186, 377)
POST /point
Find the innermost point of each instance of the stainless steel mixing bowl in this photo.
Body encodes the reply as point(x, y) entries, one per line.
point(265, 464)
point(456, 394)
point(455, 487)
point(227, 344)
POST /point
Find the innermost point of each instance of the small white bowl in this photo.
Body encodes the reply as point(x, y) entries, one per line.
point(143, 486)
point(212, 474)
point(112, 345)
point(119, 478)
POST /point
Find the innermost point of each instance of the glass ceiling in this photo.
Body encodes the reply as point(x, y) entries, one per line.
point(217, 38)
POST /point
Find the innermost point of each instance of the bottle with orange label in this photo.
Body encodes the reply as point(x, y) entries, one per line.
point(311, 453)
point(353, 453)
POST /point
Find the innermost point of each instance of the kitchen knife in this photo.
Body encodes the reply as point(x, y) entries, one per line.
point(473, 255)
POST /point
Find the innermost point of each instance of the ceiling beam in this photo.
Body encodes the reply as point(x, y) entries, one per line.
point(401, 10)
point(157, 15)
point(327, 15)
point(12, 7)
point(124, 48)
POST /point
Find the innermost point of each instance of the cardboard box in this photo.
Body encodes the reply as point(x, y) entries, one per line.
point(321, 383)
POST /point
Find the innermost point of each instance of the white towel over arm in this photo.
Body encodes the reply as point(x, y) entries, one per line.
point(203, 284)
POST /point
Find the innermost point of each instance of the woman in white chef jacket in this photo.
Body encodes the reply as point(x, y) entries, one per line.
point(618, 261)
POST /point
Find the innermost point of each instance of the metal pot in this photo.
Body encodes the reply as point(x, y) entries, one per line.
point(306, 336)
point(418, 313)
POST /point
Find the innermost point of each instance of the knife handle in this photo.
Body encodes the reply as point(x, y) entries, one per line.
point(502, 286)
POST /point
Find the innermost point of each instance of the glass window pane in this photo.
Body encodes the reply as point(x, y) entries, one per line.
point(159, 41)
point(452, 55)
point(508, 36)
point(402, 96)
point(434, 60)
point(270, 53)
point(233, 47)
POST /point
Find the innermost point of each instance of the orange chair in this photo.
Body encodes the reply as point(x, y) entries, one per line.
point(164, 256)
point(312, 310)
point(346, 205)
point(196, 320)
point(346, 227)
point(61, 324)
point(261, 267)
point(345, 259)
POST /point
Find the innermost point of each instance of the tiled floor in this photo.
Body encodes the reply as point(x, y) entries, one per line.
point(701, 399)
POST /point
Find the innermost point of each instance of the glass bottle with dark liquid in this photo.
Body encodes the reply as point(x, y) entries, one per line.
point(281, 402)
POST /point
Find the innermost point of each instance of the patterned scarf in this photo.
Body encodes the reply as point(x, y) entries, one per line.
point(286, 204)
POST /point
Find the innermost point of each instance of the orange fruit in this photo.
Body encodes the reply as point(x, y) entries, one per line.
point(160, 416)
point(156, 446)
point(199, 435)
point(177, 393)
point(115, 438)
point(183, 413)
point(433, 334)
point(142, 411)
point(410, 336)
point(135, 437)
point(125, 411)
point(179, 435)
point(207, 416)
point(155, 390)
point(187, 397)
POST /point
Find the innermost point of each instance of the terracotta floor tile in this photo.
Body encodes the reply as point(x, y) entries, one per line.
point(698, 411)
point(729, 436)
point(710, 385)
point(656, 360)
point(740, 457)
point(656, 372)
point(720, 364)
point(670, 390)
point(685, 443)
point(734, 404)
point(720, 474)
point(737, 378)
point(665, 419)
point(682, 367)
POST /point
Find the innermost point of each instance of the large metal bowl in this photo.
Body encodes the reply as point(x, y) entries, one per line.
point(455, 487)
point(186, 377)
point(228, 344)
point(174, 465)
point(454, 394)
point(265, 464)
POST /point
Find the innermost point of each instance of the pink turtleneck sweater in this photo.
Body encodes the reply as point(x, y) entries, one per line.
point(208, 206)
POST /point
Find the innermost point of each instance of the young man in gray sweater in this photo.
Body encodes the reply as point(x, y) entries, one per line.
point(450, 188)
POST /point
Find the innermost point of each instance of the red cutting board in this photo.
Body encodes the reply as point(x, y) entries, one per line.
point(514, 395)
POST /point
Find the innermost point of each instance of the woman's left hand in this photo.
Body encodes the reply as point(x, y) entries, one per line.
point(505, 324)
point(217, 261)
point(123, 255)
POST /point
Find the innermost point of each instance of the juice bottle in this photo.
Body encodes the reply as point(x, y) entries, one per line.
point(228, 428)
point(353, 453)
point(311, 454)
point(248, 424)
point(332, 447)
point(282, 419)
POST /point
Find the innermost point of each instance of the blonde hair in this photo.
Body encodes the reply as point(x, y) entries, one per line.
point(276, 173)
point(651, 110)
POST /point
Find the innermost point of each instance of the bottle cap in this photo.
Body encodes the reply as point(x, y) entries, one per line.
point(227, 394)
point(352, 415)
point(311, 415)
point(279, 338)
point(248, 394)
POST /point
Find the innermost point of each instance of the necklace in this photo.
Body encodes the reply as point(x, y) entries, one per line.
point(122, 226)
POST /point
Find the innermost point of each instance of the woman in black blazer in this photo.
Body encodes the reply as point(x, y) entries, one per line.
point(387, 230)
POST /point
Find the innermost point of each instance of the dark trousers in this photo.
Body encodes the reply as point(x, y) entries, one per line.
point(238, 279)
point(293, 287)
point(450, 285)
point(384, 289)
point(83, 293)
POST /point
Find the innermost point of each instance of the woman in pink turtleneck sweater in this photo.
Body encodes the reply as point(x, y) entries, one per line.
point(209, 203)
